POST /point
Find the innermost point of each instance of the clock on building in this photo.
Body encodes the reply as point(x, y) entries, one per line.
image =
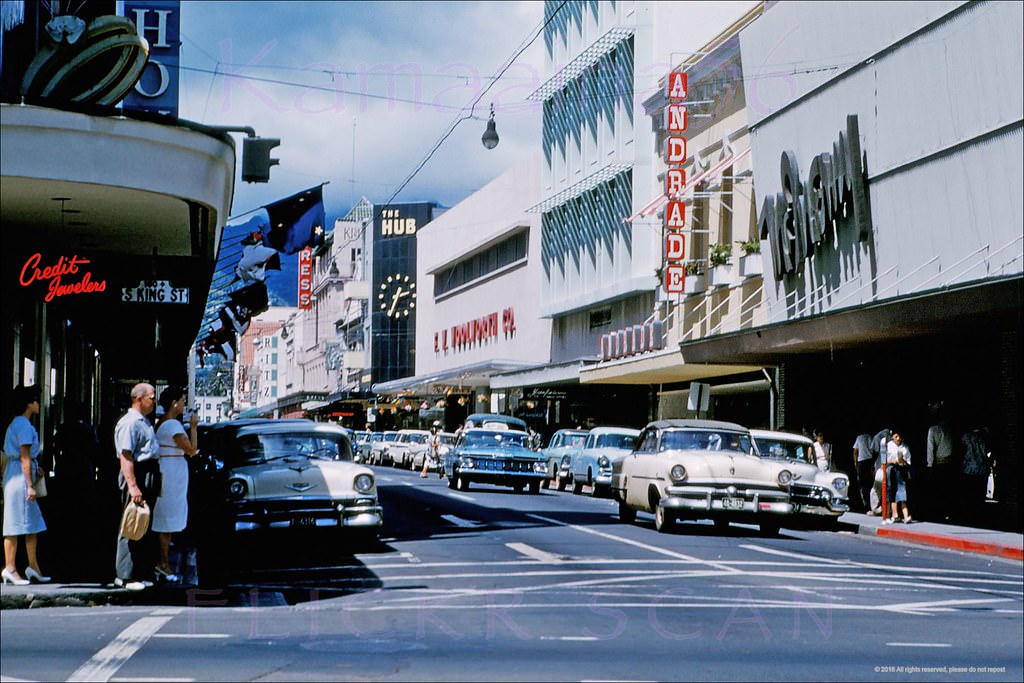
point(397, 296)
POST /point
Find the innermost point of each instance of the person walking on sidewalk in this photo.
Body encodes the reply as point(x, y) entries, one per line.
point(137, 451)
point(941, 467)
point(898, 458)
point(821, 451)
point(22, 516)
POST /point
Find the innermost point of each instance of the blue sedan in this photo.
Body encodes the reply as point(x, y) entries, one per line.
point(495, 456)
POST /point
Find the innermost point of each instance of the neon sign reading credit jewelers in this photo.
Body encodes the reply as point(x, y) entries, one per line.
point(31, 272)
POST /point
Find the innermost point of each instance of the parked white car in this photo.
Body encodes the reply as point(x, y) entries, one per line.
point(814, 493)
point(701, 469)
point(592, 465)
point(559, 452)
point(400, 450)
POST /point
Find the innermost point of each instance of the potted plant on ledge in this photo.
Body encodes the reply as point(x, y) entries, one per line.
point(696, 281)
point(722, 272)
point(751, 263)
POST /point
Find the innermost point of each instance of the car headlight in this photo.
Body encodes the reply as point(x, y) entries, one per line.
point(603, 461)
point(541, 467)
point(237, 488)
point(467, 463)
point(840, 483)
point(785, 477)
point(677, 474)
point(364, 483)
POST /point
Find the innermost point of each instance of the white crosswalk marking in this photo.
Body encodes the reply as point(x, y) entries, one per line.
point(105, 663)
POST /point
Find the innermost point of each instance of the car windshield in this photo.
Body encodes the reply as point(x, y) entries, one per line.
point(448, 439)
point(575, 441)
point(496, 439)
point(259, 448)
point(782, 448)
point(391, 436)
point(704, 440)
point(418, 438)
point(616, 441)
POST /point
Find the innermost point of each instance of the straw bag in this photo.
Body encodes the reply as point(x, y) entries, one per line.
point(135, 521)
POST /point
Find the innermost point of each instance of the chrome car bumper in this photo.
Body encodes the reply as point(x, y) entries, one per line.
point(263, 515)
point(717, 500)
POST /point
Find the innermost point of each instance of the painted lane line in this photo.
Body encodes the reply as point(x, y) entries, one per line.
point(191, 635)
point(919, 644)
point(462, 496)
point(152, 680)
point(535, 553)
point(650, 548)
point(569, 638)
point(105, 663)
point(459, 522)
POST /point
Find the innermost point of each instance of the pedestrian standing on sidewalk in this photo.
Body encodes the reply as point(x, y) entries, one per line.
point(170, 514)
point(942, 466)
point(864, 468)
point(22, 516)
point(976, 468)
point(821, 451)
point(898, 458)
point(137, 452)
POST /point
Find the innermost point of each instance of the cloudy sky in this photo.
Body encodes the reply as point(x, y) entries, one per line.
point(359, 93)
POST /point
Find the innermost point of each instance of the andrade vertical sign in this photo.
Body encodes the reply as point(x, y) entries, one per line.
point(674, 154)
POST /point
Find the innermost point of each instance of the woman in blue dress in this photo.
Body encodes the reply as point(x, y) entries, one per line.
point(22, 516)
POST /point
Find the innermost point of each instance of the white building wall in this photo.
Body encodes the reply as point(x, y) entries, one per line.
point(485, 217)
point(596, 272)
point(940, 110)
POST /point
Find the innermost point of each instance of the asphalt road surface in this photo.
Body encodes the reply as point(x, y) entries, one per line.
point(493, 585)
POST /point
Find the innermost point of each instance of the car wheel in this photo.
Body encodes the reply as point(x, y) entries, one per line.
point(664, 519)
point(770, 528)
point(560, 483)
point(461, 483)
point(626, 513)
point(451, 481)
point(534, 488)
point(577, 486)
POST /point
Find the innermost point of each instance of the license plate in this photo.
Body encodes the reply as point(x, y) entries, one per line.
point(304, 521)
point(732, 503)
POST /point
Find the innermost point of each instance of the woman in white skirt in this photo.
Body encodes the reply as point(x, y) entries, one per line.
point(170, 513)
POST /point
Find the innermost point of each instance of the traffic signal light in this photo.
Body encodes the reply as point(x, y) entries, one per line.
point(256, 161)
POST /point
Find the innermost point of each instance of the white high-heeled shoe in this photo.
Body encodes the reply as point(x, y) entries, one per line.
point(33, 575)
point(10, 577)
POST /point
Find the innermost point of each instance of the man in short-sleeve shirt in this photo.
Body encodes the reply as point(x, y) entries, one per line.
point(138, 453)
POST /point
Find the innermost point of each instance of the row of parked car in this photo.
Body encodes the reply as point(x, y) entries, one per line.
point(675, 469)
point(257, 475)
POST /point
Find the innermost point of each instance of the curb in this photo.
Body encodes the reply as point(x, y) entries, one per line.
point(947, 542)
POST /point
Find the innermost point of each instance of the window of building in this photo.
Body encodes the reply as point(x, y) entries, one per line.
point(600, 318)
point(509, 251)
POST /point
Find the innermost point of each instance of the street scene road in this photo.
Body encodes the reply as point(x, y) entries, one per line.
point(489, 584)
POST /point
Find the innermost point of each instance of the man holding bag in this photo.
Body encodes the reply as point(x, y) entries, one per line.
point(136, 444)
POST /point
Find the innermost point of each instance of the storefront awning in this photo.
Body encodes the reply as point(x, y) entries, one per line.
point(662, 367)
point(556, 373)
point(472, 375)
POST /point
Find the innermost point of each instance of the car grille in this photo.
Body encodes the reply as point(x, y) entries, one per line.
point(505, 465)
point(804, 494)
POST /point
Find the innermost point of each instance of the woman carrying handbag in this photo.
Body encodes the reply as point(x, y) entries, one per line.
point(22, 516)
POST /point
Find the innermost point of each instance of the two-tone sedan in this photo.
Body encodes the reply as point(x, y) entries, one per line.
point(559, 452)
point(701, 469)
point(817, 496)
point(289, 474)
point(495, 456)
point(592, 465)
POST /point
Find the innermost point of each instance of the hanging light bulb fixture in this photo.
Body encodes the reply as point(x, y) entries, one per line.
point(490, 136)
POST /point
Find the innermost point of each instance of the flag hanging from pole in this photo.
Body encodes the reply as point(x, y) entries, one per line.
point(297, 222)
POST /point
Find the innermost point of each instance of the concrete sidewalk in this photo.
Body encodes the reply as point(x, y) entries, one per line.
point(1002, 544)
point(949, 536)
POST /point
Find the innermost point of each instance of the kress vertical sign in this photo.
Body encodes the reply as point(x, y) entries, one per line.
point(674, 154)
point(306, 279)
